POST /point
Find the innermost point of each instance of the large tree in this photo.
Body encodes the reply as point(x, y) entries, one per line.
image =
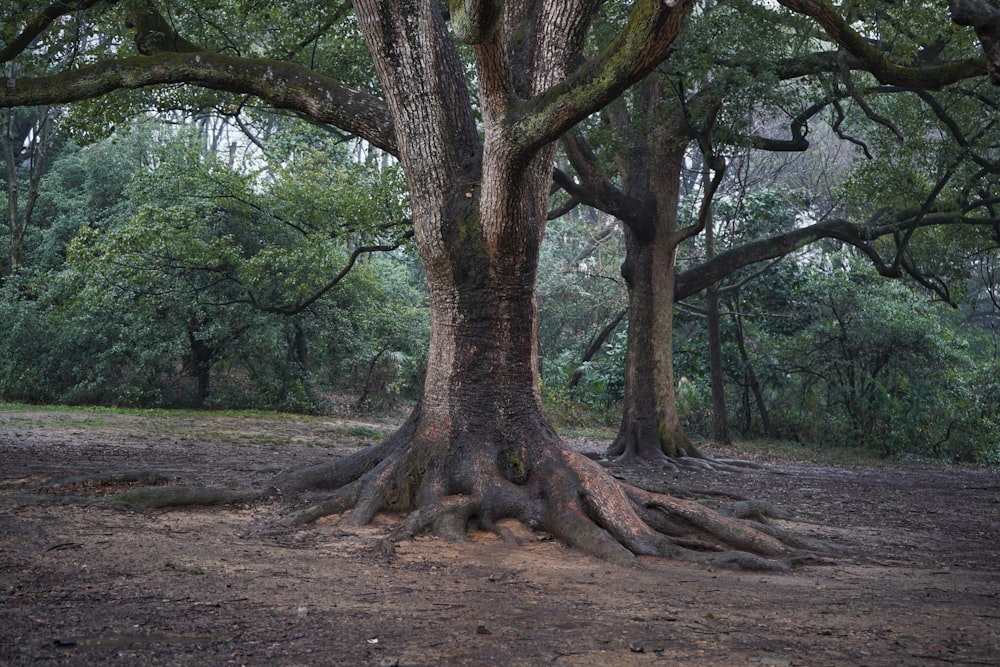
point(709, 96)
point(477, 448)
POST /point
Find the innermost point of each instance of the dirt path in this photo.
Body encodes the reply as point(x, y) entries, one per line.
point(84, 584)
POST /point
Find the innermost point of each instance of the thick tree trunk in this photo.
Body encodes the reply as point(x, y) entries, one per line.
point(651, 427)
point(478, 447)
point(478, 450)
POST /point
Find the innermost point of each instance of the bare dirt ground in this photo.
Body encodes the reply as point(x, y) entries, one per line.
point(82, 583)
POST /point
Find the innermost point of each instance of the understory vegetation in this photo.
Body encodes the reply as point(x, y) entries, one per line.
point(165, 269)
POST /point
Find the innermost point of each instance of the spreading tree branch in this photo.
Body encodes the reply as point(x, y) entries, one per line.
point(874, 60)
point(169, 58)
point(643, 43)
point(39, 24)
point(696, 279)
point(594, 189)
point(281, 84)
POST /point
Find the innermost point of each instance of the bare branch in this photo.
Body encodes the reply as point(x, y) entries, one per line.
point(37, 25)
point(333, 282)
point(841, 117)
point(845, 73)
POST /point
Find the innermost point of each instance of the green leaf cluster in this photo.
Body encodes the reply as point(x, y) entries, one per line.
point(160, 264)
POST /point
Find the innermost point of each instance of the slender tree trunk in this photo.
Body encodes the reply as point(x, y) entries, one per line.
point(752, 383)
point(16, 134)
point(10, 162)
point(202, 357)
point(720, 412)
point(594, 347)
point(300, 347)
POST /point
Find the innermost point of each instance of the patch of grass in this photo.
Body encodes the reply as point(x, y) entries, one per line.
point(153, 412)
point(364, 432)
point(787, 450)
point(225, 426)
point(605, 434)
point(273, 430)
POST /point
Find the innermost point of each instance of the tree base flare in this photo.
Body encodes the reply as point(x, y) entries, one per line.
point(675, 452)
point(528, 485)
point(562, 493)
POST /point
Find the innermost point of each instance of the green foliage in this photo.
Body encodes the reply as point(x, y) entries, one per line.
point(62, 353)
point(580, 291)
point(874, 364)
point(376, 335)
point(168, 278)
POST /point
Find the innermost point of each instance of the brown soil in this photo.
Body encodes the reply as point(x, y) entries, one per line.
point(82, 583)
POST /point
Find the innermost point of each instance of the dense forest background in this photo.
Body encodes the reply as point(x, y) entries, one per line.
point(184, 261)
point(185, 248)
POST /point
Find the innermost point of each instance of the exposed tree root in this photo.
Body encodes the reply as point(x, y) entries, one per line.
point(710, 463)
point(137, 490)
point(152, 497)
point(59, 485)
point(542, 487)
point(690, 459)
point(571, 497)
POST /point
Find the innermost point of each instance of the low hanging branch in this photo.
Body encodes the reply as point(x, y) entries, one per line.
point(296, 308)
point(595, 346)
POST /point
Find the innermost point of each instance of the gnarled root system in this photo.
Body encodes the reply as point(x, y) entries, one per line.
point(539, 483)
point(563, 493)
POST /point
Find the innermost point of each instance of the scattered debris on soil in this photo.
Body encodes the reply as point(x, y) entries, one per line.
point(84, 583)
